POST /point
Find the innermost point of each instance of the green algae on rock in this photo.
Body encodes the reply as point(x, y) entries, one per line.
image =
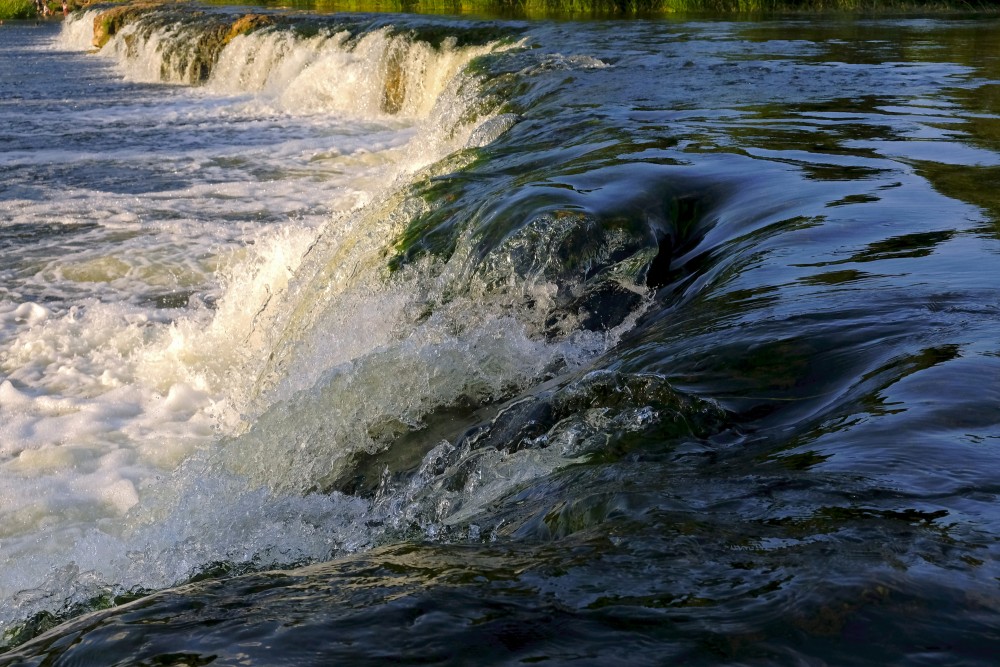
point(108, 23)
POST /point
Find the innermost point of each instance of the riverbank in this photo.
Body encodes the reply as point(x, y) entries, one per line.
point(14, 10)
point(17, 9)
point(25, 9)
point(630, 8)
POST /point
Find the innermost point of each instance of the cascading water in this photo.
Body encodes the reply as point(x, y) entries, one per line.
point(187, 445)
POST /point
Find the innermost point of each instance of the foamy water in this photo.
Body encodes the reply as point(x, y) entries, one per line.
point(205, 331)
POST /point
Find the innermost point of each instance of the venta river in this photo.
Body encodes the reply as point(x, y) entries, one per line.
point(364, 339)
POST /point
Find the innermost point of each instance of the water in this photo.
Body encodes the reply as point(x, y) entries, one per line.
point(381, 338)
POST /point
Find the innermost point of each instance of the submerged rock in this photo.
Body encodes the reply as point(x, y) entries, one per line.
point(582, 258)
point(599, 416)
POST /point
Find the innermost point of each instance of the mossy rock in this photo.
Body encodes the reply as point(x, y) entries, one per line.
point(109, 22)
point(394, 92)
point(246, 24)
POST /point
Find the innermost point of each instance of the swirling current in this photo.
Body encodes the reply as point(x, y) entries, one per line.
point(385, 338)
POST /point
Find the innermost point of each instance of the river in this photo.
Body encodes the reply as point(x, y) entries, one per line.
point(375, 338)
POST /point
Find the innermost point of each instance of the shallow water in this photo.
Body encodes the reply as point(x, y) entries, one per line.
point(428, 340)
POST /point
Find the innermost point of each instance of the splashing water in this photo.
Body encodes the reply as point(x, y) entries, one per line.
point(153, 423)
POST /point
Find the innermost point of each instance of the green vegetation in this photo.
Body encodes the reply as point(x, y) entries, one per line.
point(17, 9)
point(598, 8)
point(27, 9)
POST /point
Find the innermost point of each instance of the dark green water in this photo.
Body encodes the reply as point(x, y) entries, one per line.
point(788, 233)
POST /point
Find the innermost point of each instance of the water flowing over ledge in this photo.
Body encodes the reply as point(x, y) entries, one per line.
point(300, 65)
point(258, 373)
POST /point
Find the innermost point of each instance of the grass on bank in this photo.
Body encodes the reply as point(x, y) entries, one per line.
point(554, 8)
point(26, 9)
point(17, 9)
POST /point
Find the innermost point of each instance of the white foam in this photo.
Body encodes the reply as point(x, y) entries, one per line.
point(77, 31)
point(30, 314)
point(139, 443)
point(334, 74)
